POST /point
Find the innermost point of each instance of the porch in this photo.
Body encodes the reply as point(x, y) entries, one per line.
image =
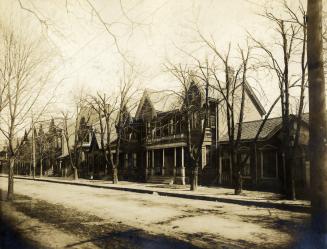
point(166, 162)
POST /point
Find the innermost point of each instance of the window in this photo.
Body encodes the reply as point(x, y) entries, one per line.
point(148, 128)
point(134, 160)
point(226, 170)
point(269, 164)
point(165, 128)
point(158, 128)
point(246, 169)
point(212, 121)
point(194, 120)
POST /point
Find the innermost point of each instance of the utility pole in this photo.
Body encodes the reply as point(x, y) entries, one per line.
point(317, 118)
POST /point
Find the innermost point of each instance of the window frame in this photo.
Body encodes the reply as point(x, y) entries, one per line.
point(273, 149)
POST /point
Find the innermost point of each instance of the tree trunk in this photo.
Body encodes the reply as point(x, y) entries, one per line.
point(238, 183)
point(236, 172)
point(194, 178)
point(10, 193)
point(34, 171)
point(41, 168)
point(30, 169)
point(292, 162)
point(290, 180)
point(75, 173)
point(317, 118)
point(114, 175)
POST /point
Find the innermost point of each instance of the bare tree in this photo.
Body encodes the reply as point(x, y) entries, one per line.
point(291, 29)
point(232, 91)
point(76, 129)
point(24, 73)
point(105, 107)
point(114, 120)
point(93, 10)
point(122, 121)
point(194, 98)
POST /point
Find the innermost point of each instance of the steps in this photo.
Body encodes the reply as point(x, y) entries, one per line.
point(161, 179)
point(48, 172)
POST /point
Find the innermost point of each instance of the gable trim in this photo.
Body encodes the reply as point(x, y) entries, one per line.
point(254, 99)
point(139, 108)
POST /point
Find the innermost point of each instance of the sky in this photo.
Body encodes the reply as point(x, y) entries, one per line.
point(148, 33)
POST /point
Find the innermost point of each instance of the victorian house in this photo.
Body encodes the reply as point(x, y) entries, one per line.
point(154, 144)
point(156, 148)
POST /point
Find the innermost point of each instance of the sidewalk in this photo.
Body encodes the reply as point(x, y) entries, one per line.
point(216, 194)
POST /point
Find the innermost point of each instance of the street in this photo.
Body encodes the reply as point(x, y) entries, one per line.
point(62, 215)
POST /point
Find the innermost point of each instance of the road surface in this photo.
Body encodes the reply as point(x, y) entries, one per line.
point(61, 215)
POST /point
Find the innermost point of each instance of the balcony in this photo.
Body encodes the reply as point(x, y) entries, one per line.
point(165, 139)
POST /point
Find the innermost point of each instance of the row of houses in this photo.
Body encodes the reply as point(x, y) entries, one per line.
point(47, 148)
point(153, 148)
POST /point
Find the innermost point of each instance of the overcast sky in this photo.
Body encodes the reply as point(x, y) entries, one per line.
point(148, 32)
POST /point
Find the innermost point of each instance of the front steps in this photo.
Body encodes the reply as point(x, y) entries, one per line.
point(161, 179)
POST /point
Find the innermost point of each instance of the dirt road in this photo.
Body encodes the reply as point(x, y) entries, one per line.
point(84, 217)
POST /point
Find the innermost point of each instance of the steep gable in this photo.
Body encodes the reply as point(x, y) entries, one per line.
point(154, 102)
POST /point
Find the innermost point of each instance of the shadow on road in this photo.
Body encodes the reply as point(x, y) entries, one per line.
point(101, 233)
point(12, 239)
point(135, 238)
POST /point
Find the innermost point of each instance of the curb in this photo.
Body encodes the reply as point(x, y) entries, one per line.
point(280, 206)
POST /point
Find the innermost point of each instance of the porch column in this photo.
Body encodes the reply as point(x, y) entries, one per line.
point(163, 162)
point(174, 162)
point(182, 166)
point(204, 156)
point(152, 162)
point(146, 164)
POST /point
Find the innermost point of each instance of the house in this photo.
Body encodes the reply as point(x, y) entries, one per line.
point(265, 166)
point(153, 147)
point(47, 148)
point(156, 148)
point(78, 144)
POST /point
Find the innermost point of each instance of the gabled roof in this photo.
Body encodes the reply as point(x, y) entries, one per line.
point(160, 101)
point(250, 129)
point(254, 99)
point(97, 135)
point(270, 128)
